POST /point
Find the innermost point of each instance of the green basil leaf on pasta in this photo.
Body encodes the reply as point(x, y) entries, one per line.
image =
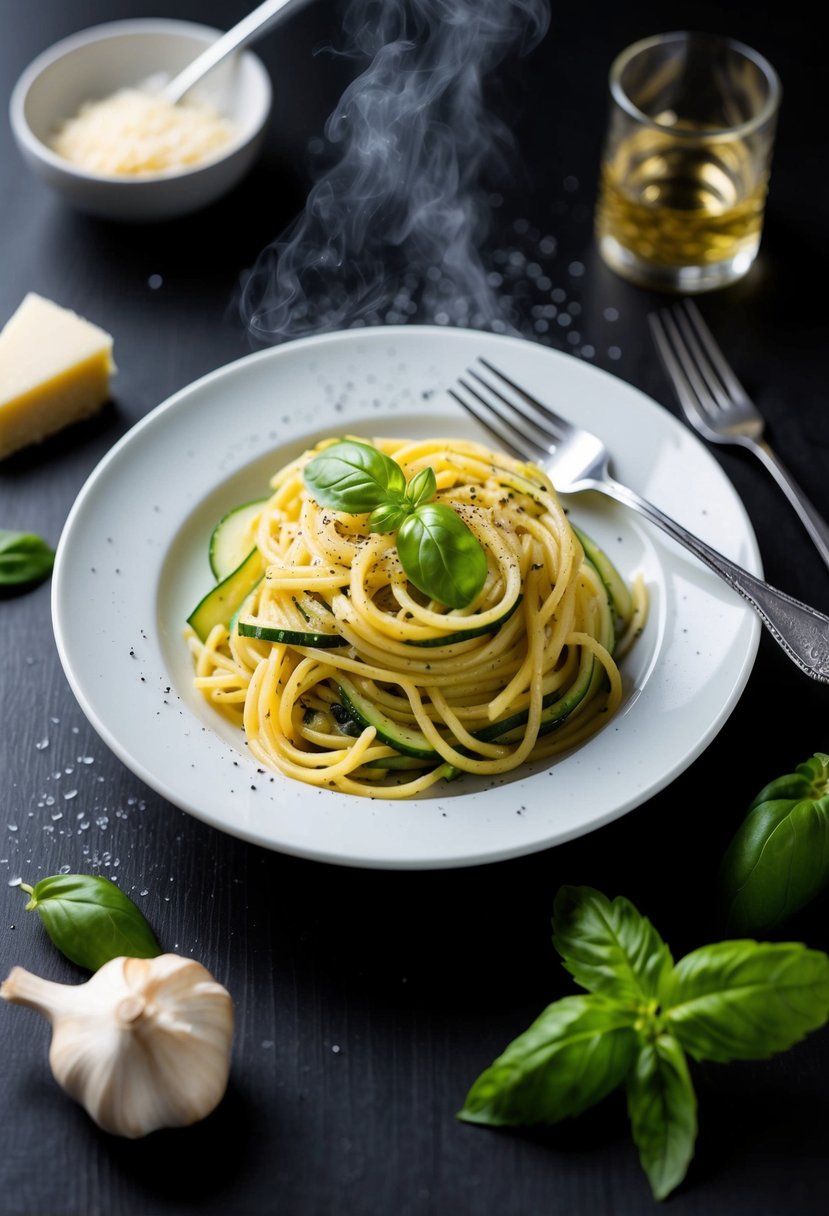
point(747, 1000)
point(441, 556)
point(90, 919)
point(388, 517)
point(354, 477)
point(572, 1056)
point(609, 947)
point(663, 1112)
point(422, 488)
point(778, 860)
point(24, 559)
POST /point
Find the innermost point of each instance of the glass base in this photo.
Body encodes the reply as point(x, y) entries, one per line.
point(685, 279)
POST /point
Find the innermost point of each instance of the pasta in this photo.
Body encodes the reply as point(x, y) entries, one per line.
point(380, 691)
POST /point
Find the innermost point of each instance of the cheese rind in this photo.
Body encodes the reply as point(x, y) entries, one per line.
point(55, 369)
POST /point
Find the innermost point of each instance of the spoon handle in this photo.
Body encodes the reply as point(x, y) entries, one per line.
point(256, 22)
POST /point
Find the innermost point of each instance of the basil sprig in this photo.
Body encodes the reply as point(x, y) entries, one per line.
point(25, 559)
point(90, 919)
point(643, 1015)
point(778, 860)
point(436, 549)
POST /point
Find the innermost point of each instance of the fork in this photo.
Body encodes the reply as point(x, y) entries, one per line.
point(576, 460)
point(716, 404)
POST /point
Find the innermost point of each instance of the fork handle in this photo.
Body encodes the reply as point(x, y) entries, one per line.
point(803, 632)
point(813, 522)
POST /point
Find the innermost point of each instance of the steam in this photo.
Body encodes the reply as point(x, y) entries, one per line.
point(392, 230)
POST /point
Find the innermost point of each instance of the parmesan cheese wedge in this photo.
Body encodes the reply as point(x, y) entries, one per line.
point(55, 369)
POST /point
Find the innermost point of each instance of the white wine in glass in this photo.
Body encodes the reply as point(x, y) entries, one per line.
point(683, 187)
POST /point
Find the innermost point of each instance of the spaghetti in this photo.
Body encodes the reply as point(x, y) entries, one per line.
point(343, 675)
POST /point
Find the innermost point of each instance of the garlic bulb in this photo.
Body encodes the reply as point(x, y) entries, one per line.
point(144, 1044)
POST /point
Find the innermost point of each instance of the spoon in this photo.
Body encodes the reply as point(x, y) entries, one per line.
point(240, 35)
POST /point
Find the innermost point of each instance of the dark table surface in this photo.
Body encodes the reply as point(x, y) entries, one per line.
point(368, 1001)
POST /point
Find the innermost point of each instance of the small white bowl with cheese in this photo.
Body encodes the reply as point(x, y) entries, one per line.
point(86, 120)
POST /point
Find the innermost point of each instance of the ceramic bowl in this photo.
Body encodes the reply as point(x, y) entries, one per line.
point(95, 63)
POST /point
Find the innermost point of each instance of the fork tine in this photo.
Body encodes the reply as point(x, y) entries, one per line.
point(498, 425)
point(516, 411)
point(560, 428)
point(478, 416)
point(683, 386)
point(713, 350)
point(712, 393)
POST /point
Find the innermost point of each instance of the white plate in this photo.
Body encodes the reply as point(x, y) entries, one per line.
point(132, 563)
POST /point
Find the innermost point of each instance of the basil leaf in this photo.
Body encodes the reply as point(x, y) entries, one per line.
point(354, 477)
point(387, 517)
point(662, 1107)
point(778, 860)
point(24, 559)
point(422, 488)
point(437, 551)
point(809, 780)
point(745, 1000)
point(608, 947)
point(441, 556)
point(572, 1056)
point(90, 919)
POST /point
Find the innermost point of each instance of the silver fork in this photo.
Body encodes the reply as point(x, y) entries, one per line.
point(576, 460)
point(716, 404)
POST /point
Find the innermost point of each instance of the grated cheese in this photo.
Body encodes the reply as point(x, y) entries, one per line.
point(133, 133)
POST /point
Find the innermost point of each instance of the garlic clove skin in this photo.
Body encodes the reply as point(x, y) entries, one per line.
point(142, 1045)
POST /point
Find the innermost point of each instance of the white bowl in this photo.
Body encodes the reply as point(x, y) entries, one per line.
point(95, 63)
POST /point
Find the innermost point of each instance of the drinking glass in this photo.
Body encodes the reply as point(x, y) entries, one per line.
point(686, 161)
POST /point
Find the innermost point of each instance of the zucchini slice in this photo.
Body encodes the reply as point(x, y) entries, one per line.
point(220, 604)
point(407, 740)
point(305, 622)
point(399, 763)
point(555, 708)
point(232, 538)
point(621, 600)
point(463, 635)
